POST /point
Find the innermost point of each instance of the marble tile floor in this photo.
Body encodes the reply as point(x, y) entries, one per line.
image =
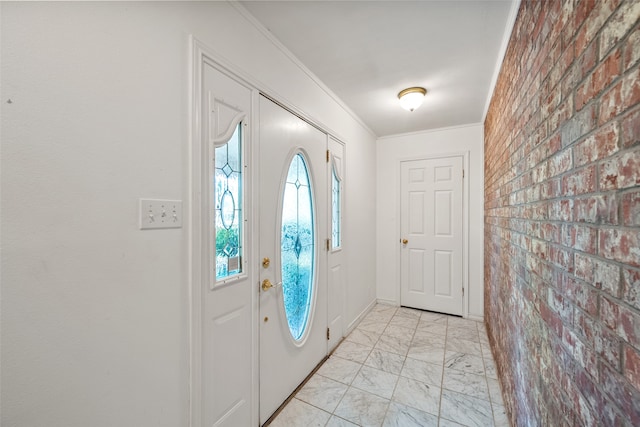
point(403, 367)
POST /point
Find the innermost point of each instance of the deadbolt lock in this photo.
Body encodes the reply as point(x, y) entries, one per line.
point(265, 262)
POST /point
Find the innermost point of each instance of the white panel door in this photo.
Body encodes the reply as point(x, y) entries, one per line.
point(431, 234)
point(293, 169)
point(227, 339)
point(337, 272)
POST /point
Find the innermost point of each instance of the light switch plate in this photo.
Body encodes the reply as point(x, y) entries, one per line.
point(160, 214)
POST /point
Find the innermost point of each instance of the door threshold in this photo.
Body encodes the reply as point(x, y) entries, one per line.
point(432, 311)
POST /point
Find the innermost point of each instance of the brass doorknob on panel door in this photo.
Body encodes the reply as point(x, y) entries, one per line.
point(266, 285)
point(405, 241)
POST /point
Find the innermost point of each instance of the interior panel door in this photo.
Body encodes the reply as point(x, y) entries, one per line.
point(431, 234)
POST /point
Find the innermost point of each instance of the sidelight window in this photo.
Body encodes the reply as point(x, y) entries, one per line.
point(227, 184)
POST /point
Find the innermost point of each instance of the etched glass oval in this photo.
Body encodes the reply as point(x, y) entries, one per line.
point(228, 209)
point(297, 247)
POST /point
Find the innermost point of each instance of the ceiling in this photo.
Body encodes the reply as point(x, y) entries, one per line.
point(367, 51)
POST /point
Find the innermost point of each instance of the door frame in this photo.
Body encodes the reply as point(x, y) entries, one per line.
point(465, 221)
point(199, 54)
point(196, 227)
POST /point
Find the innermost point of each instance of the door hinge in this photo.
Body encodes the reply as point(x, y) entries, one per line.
point(327, 156)
point(463, 292)
point(463, 173)
point(328, 244)
point(328, 334)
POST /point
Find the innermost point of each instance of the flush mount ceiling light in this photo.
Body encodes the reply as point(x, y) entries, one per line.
point(411, 98)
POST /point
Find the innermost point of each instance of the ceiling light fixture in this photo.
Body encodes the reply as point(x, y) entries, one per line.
point(411, 98)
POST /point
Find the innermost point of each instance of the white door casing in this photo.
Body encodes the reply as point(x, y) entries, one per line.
point(431, 234)
point(285, 362)
point(336, 258)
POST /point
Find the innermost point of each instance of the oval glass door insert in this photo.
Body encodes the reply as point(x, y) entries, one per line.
point(297, 247)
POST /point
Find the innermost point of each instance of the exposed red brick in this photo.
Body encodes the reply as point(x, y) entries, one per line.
point(561, 210)
point(589, 58)
point(622, 245)
point(606, 276)
point(604, 74)
point(621, 171)
point(611, 103)
point(632, 49)
point(622, 393)
point(619, 25)
point(629, 325)
point(632, 366)
point(580, 182)
point(609, 313)
point(580, 237)
point(631, 129)
point(596, 209)
point(598, 146)
point(583, 267)
point(631, 286)
point(562, 227)
point(597, 12)
point(630, 208)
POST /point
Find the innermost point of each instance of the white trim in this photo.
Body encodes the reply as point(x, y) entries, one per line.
point(388, 302)
point(508, 29)
point(194, 233)
point(422, 132)
point(272, 39)
point(359, 317)
point(476, 318)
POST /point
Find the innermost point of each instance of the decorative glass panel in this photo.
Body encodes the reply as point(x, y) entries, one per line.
point(336, 210)
point(227, 184)
point(297, 246)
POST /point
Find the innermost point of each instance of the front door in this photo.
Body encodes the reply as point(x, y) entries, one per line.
point(431, 234)
point(293, 254)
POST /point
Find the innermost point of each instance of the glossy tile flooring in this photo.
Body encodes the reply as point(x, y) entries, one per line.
point(403, 367)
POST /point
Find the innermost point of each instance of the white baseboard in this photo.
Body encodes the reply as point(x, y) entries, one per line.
point(358, 318)
point(388, 302)
point(476, 318)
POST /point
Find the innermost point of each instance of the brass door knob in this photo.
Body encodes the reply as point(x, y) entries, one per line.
point(405, 241)
point(266, 285)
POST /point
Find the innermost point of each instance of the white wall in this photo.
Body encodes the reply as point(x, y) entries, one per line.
point(94, 311)
point(390, 151)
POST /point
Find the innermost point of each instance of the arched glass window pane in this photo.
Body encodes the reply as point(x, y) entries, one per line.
point(227, 185)
point(336, 211)
point(297, 246)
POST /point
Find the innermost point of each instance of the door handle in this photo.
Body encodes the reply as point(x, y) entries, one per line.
point(404, 241)
point(266, 285)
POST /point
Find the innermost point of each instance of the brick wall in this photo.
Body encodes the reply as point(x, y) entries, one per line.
point(562, 213)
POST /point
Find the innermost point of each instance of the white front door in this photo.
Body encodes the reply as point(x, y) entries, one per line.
point(431, 234)
point(293, 255)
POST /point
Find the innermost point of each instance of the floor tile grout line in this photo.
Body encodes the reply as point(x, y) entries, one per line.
point(354, 377)
point(404, 361)
point(444, 359)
